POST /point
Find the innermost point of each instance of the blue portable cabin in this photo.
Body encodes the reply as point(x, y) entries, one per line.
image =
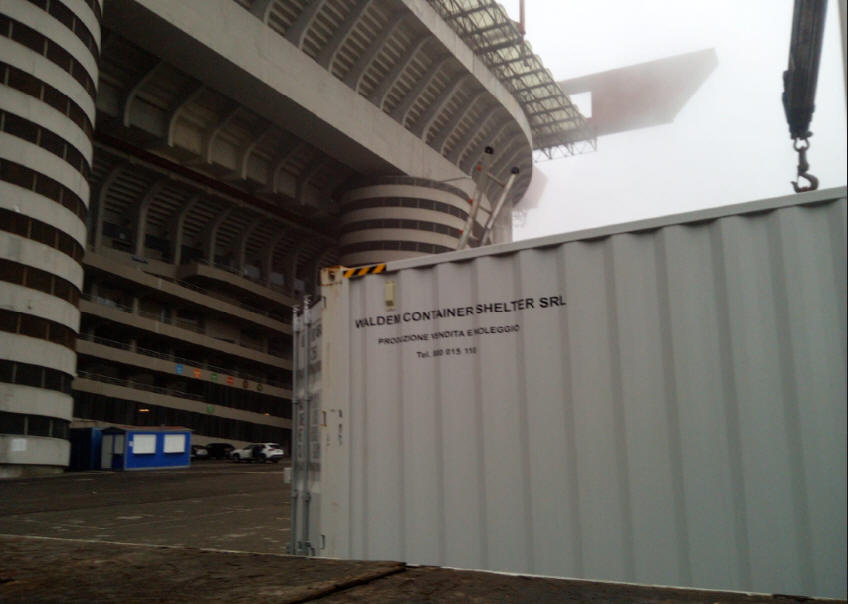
point(145, 448)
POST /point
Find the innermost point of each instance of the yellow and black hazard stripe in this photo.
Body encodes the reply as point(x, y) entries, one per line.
point(361, 271)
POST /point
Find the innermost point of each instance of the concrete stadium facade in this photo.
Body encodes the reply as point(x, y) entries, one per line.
point(175, 174)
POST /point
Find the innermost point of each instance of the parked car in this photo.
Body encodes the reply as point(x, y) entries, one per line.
point(219, 450)
point(258, 452)
point(199, 452)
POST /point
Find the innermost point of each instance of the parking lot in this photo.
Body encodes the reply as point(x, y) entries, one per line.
point(217, 532)
point(213, 504)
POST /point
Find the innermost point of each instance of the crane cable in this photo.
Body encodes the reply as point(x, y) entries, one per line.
point(799, 82)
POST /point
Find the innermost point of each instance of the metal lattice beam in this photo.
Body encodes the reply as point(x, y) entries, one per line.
point(496, 39)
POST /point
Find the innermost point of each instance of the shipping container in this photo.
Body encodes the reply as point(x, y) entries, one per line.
point(660, 402)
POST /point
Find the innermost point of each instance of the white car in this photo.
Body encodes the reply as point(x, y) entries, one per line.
point(259, 452)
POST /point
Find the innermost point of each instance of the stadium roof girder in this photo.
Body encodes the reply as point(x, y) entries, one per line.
point(465, 13)
point(511, 60)
point(485, 30)
point(494, 47)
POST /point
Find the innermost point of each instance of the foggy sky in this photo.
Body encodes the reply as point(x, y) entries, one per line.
point(729, 144)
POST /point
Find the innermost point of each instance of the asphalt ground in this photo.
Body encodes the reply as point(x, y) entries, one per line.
point(213, 504)
point(216, 533)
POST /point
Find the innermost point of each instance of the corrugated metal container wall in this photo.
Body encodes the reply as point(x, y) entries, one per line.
point(306, 422)
point(681, 420)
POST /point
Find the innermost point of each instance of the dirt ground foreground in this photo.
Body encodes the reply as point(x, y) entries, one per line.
point(214, 533)
point(39, 569)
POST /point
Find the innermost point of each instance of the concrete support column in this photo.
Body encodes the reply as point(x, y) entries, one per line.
point(176, 228)
point(290, 269)
point(241, 245)
point(354, 75)
point(297, 32)
point(98, 210)
point(379, 95)
point(140, 216)
point(401, 112)
point(212, 235)
point(268, 258)
point(328, 54)
point(315, 266)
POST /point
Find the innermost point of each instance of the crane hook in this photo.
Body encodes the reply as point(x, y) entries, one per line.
point(803, 167)
point(814, 183)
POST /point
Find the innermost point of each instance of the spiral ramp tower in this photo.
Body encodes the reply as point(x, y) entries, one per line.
point(150, 262)
point(47, 111)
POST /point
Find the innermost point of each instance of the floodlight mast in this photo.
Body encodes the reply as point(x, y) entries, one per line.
point(521, 26)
